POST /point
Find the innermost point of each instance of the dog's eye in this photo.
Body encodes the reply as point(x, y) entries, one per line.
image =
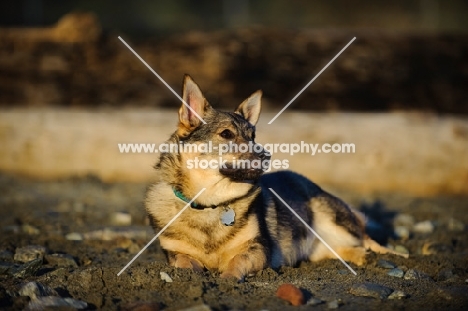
point(253, 136)
point(227, 134)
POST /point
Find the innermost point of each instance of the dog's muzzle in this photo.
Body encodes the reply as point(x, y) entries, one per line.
point(250, 168)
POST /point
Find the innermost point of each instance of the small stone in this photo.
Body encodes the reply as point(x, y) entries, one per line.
point(74, 236)
point(30, 252)
point(121, 219)
point(61, 260)
point(113, 233)
point(435, 248)
point(402, 232)
point(371, 290)
point(444, 275)
point(398, 294)
point(334, 304)
point(127, 244)
point(404, 220)
point(28, 269)
point(59, 273)
point(165, 277)
point(31, 230)
point(12, 229)
point(142, 306)
point(396, 272)
point(46, 302)
point(386, 264)
point(35, 289)
point(413, 274)
point(424, 227)
point(291, 293)
point(455, 225)
point(6, 255)
point(401, 249)
point(5, 267)
point(314, 301)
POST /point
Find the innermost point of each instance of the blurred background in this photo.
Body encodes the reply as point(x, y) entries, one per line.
point(58, 58)
point(408, 54)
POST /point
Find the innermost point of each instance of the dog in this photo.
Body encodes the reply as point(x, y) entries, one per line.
point(236, 225)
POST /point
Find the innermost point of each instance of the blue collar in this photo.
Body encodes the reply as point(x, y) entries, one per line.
point(184, 198)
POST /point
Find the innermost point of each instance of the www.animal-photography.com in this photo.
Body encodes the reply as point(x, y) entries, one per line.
point(233, 155)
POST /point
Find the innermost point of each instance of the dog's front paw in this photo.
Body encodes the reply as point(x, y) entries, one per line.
point(187, 262)
point(233, 275)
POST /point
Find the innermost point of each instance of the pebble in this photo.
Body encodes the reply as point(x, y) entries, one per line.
point(27, 229)
point(74, 236)
point(165, 277)
point(396, 272)
point(34, 290)
point(113, 233)
point(435, 248)
point(424, 227)
point(30, 252)
point(386, 264)
point(28, 269)
point(127, 244)
point(61, 260)
point(47, 302)
point(142, 306)
point(401, 249)
point(334, 304)
point(5, 267)
point(398, 294)
point(314, 301)
point(402, 232)
point(291, 293)
point(404, 220)
point(445, 274)
point(371, 290)
point(455, 225)
point(6, 255)
point(121, 219)
point(31, 230)
point(413, 274)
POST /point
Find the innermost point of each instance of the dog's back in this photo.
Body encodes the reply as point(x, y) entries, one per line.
point(327, 215)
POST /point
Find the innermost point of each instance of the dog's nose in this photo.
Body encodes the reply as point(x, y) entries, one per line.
point(262, 156)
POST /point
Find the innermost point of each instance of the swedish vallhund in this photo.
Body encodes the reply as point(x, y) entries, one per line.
point(237, 226)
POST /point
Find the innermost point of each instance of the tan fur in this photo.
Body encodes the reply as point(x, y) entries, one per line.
point(264, 232)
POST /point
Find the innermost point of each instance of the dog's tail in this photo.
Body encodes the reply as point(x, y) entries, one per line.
point(370, 244)
point(377, 248)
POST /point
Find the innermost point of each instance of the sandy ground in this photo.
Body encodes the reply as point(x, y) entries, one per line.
point(51, 214)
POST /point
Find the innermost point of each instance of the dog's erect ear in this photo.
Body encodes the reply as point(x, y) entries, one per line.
point(250, 108)
point(192, 95)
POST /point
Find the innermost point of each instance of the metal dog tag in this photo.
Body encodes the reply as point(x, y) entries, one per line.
point(228, 216)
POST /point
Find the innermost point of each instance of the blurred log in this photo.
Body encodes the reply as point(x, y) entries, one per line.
point(418, 154)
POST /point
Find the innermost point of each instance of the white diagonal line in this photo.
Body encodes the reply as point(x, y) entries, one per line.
point(162, 80)
point(160, 232)
point(313, 231)
point(313, 79)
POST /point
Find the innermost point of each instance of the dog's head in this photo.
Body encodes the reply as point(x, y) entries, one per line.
point(216, 147)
